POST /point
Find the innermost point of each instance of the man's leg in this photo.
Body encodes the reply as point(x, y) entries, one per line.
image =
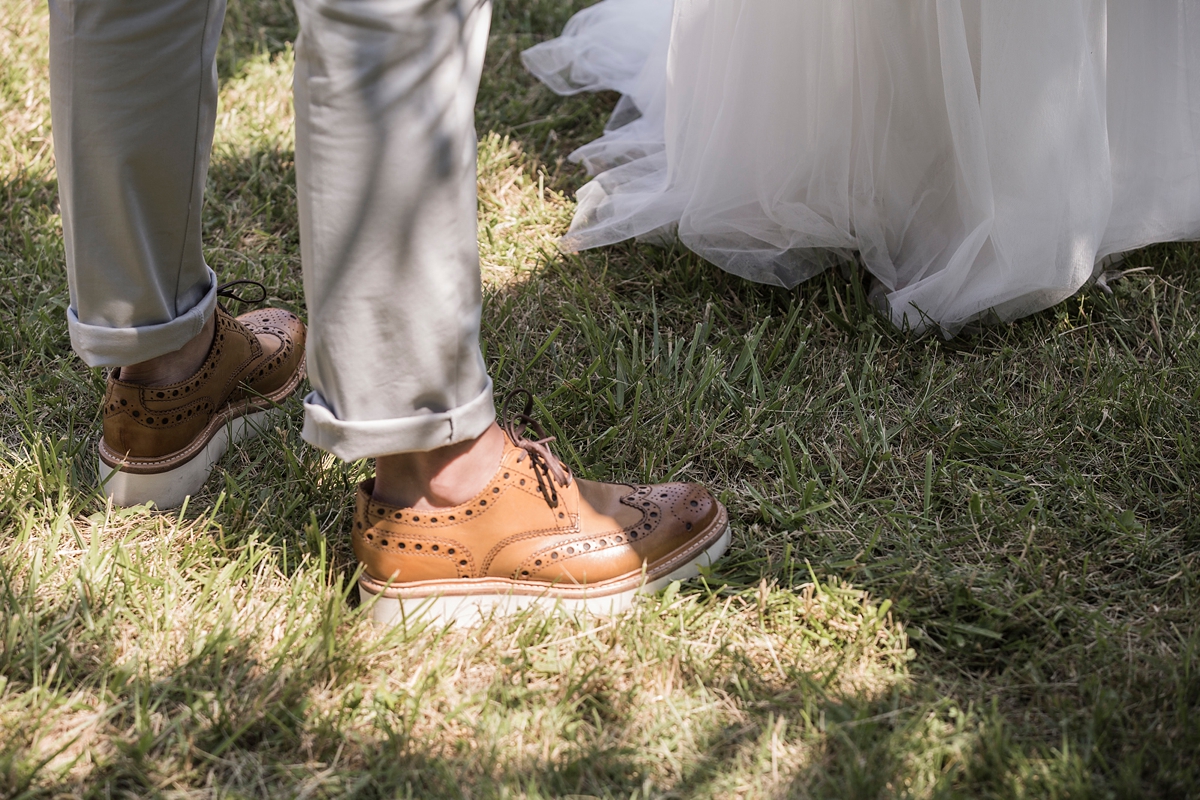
point(385, 141)
point(461, 514)
point(134, 99)
point(385, 166)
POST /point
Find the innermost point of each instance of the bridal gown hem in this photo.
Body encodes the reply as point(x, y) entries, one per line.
point(980, 157)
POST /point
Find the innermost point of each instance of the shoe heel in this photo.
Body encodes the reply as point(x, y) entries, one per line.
point(169, 488)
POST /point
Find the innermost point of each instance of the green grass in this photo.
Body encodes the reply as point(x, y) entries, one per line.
point(960, 569)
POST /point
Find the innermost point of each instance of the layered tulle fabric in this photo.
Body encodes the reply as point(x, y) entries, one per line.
point(981, 156)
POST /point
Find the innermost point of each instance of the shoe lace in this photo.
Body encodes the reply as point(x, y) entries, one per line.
point(226, 290)
point(548, 469)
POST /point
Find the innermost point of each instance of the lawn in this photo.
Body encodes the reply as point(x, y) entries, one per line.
point(965, 568)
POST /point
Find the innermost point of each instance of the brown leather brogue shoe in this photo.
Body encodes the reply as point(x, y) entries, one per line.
point(534, 535)
point(161, 442)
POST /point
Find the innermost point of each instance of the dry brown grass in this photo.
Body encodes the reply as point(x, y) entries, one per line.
point(963, 569)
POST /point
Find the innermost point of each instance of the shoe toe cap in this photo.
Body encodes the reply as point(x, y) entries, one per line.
point(689, 503)
point(282, 335)
point(277, 322)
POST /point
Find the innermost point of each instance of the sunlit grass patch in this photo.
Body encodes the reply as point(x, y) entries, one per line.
point(25, 146)
point(520, 215)
point(963, 568)
point(153, 649)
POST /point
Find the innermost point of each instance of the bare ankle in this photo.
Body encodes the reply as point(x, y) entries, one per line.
point(447, 476)
point(176, 366)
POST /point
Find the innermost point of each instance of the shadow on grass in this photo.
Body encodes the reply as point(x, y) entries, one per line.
point(650, 364)
point(1026, 496)
point(245, 718)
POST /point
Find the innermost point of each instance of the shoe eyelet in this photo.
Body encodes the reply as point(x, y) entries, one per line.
point(524, 573)
point(160, 394)
point(570, 551)
point(693, 504)
point(450, 551)
point(417, 547)
point(123, 401)
point(506, 476)
point(554, 555)
point(416, 519)
point(633, 534)
point(434, 548)
point(371, 537)
point(358, 525)
point(402, 546)
point(561, 515)
point(587, 546)
point(451, 518)
point(469, 512)
point(653, 513)
point(537, 563)
point(433, 519)
point(483, 502)
point(688, 526)
point(462, 563)
point(136, 414)
point(383, 542)
point(647, 526)
point(495, 490)
point(178, 417)
point(522, 479)
point(604, 542)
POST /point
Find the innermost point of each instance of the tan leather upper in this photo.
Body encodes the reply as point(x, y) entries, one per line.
point(252, 355)
point(598, 531)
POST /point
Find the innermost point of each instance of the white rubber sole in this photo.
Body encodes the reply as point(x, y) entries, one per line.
point(169, 488)
point(472, 609)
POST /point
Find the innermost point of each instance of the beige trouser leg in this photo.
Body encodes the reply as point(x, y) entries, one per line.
point(385, 157)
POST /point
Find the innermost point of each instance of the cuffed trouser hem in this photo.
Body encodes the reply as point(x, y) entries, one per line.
point(351, 441)
point(100, 346)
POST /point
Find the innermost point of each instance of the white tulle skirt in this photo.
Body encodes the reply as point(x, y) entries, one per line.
point(979, 155)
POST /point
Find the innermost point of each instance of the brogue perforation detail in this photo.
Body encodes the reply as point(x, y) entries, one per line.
point(386, 541)
point(693, 503)
point(267, 324)
point(237, 381)
point(573, 548)
point(652, 512)
point(568, 529)
point(220, 337)
point(443, 517)
point(167, 418)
